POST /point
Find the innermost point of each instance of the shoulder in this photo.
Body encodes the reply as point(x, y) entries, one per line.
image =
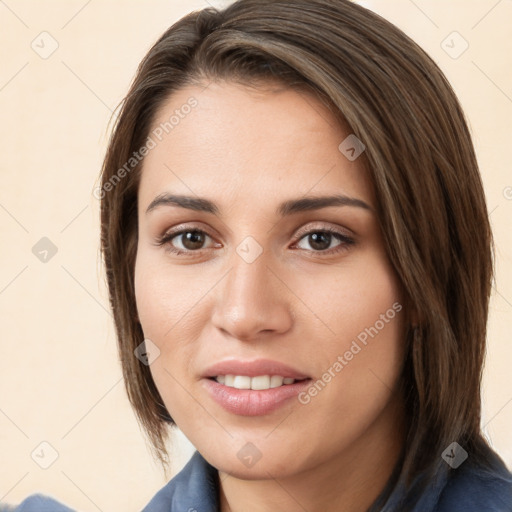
point(36, 503)
point(472, 488)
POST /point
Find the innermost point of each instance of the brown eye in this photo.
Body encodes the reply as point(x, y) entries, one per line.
point(192, 240)
point(320, 240)
point(186, 240)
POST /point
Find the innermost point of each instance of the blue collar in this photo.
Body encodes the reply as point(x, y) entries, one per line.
point(193, 489)
point(468, 488)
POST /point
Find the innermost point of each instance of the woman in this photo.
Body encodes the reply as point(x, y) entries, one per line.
point(299, 261)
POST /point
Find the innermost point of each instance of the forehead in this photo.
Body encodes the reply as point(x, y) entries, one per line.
point(234, 141)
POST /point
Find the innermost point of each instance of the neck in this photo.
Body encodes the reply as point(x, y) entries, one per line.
point(349, 481)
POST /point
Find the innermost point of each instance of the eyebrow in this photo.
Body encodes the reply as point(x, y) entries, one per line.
point(286, 208)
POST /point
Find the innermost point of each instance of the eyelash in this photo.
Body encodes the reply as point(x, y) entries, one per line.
point(343, 246)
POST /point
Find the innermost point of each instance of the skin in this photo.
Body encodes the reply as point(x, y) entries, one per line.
point(248, 150)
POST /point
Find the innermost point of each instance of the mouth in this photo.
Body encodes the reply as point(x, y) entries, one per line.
point(255, 402)
point(253, 387)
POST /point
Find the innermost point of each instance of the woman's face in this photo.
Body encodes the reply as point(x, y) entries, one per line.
point(260, 278)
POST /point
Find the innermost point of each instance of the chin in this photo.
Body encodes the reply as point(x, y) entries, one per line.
point(254, 461)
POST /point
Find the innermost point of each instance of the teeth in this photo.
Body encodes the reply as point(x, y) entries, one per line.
point(276, 381)
point(241, 382)
point(259, 383)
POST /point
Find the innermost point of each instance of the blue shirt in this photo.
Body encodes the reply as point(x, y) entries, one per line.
point(468, 488)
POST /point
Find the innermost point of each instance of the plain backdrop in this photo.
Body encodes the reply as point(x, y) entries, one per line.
point(62, 399)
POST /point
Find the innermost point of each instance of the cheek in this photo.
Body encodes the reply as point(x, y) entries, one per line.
point(165, 300)
point(361, 334)
point(344, 302)
point(170, 305)
point(165, 296)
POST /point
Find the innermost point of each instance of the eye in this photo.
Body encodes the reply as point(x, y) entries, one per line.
point(320, 240)
point(187, 240)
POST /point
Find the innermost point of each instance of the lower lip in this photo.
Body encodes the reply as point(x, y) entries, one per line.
point(250, 402)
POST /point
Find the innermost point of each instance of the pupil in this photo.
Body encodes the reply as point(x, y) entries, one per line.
point(193, 240)
point(320, 241)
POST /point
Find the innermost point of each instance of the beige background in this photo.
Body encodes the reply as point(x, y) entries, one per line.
point(60, 380)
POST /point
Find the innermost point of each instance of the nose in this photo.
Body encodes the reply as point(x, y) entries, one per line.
point(252, 301)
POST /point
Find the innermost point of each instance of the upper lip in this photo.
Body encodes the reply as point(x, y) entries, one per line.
point(253, 369)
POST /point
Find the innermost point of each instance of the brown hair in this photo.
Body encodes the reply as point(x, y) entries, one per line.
point(419, 152)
